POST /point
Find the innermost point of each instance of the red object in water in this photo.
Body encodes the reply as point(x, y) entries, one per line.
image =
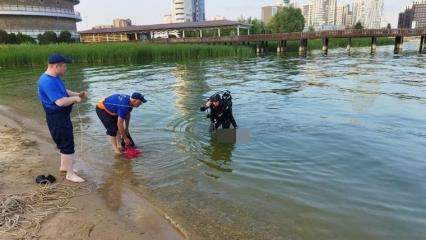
point(131, 153)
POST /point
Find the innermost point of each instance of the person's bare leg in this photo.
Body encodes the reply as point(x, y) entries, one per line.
point(63, 168)
point(115, 145)
point(66, 160)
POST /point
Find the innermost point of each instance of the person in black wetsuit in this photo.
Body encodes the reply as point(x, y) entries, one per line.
point(220, 110)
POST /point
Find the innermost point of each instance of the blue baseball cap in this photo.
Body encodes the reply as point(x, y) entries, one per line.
point(139, 96)
point(58, 58)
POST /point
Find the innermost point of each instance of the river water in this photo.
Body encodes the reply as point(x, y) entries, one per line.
point(336, 151)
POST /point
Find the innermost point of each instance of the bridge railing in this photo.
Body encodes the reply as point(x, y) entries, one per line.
point(349, 33)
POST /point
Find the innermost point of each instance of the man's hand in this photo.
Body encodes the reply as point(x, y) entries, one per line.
point(77, 99)
point(83, 95)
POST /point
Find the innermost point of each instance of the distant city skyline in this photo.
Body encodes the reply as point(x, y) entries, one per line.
point(150, 12)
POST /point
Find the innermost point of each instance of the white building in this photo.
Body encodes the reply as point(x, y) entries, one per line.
point(306, 11)
point(330, 11)
point(368, 12)
point(342, 13)
point(317, 12)
point(321, 12)
point(284, 3)
point(187, 11)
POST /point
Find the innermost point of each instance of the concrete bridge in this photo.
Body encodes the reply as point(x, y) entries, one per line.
point(262, 40)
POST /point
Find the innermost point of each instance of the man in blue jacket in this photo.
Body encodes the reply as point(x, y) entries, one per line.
point(57, 102)
point(114, 113)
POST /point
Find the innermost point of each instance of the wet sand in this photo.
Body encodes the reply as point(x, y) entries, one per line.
point(26, 151)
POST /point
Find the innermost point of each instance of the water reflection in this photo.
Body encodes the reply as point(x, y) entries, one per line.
point(218, 154)
point(366, 89)
point(189, 89)
point(302, 176)
point(112, 188)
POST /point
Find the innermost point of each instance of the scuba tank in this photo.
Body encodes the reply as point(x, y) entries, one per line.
point(227, 99)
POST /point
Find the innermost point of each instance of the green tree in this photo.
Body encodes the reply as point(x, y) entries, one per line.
point(3, 36)
point(11, 38)
point(288, 19)
point(258, 27)
point(389, 26)
point(22, 38)
point(358, 25)
point(65, 37)
point(48, 37)
point(311, 29)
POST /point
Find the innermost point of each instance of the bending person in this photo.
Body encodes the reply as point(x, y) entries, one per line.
point(114, 113)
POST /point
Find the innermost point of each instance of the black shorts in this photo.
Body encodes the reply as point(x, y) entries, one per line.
point(61, 130)
point(109, 122)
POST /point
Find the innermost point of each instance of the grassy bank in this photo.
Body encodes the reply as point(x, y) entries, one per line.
point(122, 53)
point(16, 55)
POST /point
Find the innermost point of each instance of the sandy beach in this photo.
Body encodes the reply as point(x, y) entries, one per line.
point(26, 151)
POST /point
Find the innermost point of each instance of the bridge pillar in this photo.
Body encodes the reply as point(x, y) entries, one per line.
point(325, 42)
point(373, 45)
point(279, 47)
point(283, 46)
point(303, 48)
point(218, 32)
point(183, 33)
point(422, 42)
point(262, 47)
point(257, 47)
point(348, 47)
point(398, 45)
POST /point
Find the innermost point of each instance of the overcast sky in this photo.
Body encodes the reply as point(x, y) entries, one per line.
point(101, 12)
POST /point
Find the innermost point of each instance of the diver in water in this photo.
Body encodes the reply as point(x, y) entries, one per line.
point(220, 110)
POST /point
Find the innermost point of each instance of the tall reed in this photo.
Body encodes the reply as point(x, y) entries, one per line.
point(16, 55)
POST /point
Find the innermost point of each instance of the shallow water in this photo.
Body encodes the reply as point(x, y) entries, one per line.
point(336, 148)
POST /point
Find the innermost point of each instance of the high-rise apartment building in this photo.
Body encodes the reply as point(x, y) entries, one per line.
point(188, 11)
point(368, 12)
point(414, 17)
